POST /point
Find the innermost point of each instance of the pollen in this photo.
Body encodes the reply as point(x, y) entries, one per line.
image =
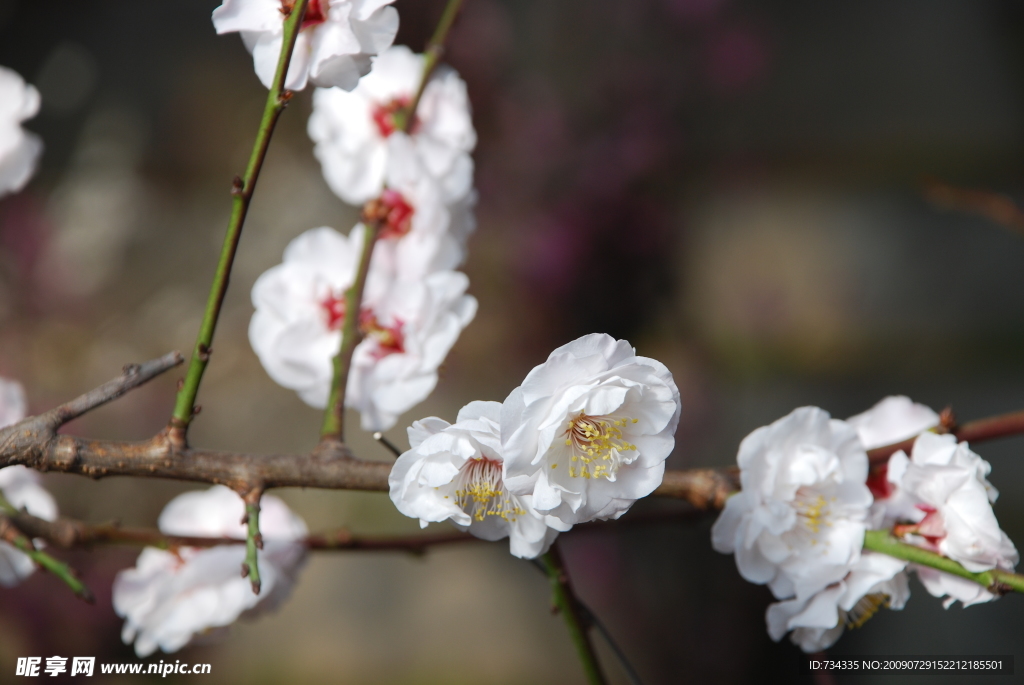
point(480, 492)
point(865, 608)
point(597, 442)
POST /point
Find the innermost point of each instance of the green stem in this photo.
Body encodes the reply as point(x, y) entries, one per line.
point(333, 427)
point(996, 581)
point(15, 537)
point(253, 542)
point(432, 56)
point(567, 605)
point(277, 100)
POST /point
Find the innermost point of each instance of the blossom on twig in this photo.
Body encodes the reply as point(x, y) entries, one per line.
point(171, 596)
point(942, 495)
point(798, 523)
point(588, 431)
point(353, 131)
point(335, 45)
point(454, 472)
point(407, 326)
point(19, 149)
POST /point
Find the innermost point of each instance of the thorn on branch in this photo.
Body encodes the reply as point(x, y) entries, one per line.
point(284, 98)
point(204, 352)
point(237, 185)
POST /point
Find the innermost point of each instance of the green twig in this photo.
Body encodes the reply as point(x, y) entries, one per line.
point(242, 190)
point(996, 581)
point(333, 427)
point(253, 539)
point(565, 602)
point(432, 56)
point(11, 534)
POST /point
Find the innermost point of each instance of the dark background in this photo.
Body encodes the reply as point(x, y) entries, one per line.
point(735, 187)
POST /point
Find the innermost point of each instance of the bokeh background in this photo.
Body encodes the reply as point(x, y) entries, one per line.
point(735, 187)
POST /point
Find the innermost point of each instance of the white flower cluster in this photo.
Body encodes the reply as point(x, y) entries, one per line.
point(336, 43)
point(414, 304)
point(583, 438)
point(170, 596)
point(807, 499)
point(19, 149)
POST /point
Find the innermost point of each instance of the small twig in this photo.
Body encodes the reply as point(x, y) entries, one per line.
point(333, 428)
point(379, 437)
point(996, 207)
point(591, 620)
point(132, 377)
point(253, 539)
point(565, 603)
point(972, 431)
point(432, 56)
point(14, 536)
point(241, 193)
point(996, 581)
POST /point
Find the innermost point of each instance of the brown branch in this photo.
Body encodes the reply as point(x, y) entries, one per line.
point(35, 443)
point(996, 207)
point(973, 431)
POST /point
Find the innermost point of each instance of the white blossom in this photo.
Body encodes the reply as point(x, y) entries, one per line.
point(942, 491)
point(454, 472)
point(171, 596)
point(874, 581)
point(19, 149)
point(894, 419)
point(335, 45)
point(21, 488)
point(588, 431)
point(352, 131)
point(798, 523)
point(408, 326)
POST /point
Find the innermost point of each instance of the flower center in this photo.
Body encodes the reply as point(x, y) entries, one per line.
point(480, 492)
point(333, 307)
point(314, 16)
point(388, 116)
point(866, 607)
point(813, 510)
point(595, 444)
point(397, 214)
point(389, 339)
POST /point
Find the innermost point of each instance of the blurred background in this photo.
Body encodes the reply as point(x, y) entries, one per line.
point(735, 187)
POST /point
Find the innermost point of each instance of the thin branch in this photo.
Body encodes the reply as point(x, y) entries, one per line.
point(972, 431)
point(242, 190)
point(382, 439)
point(333, 429)
point(13, 535)
point(432, 57)
point(996, 581)
point(131, 377)
point(253, 539)
point(564, 601)
point(996, 207)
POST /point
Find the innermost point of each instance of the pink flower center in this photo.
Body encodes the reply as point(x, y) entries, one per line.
point(314, 16)
point(334, 309)
point(384, 115)
point(389, 339)
point(878, 482)
point(397, 214)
